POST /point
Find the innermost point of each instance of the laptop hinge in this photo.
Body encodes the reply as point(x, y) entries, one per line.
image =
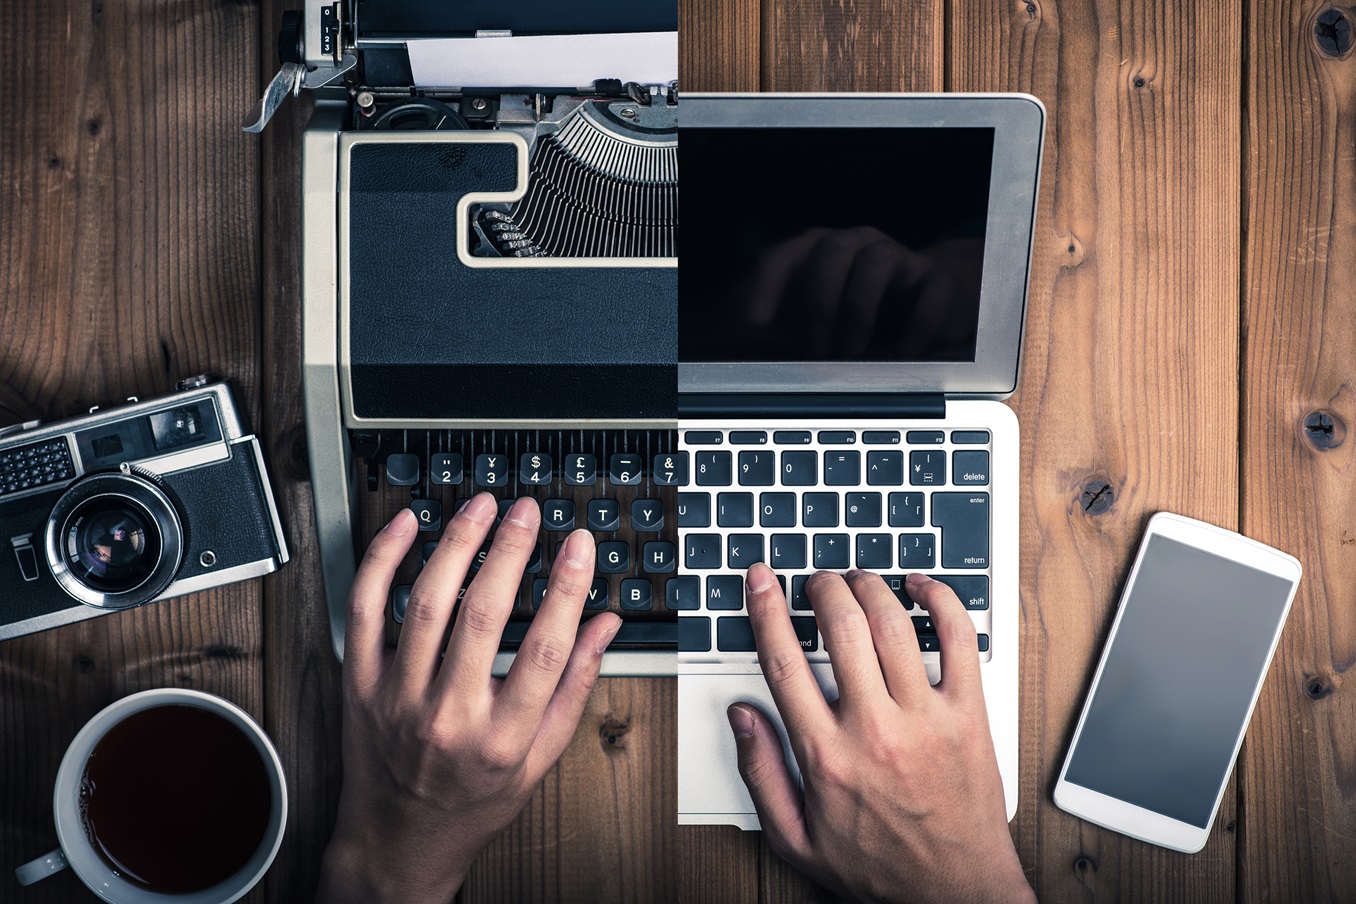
point(812, 405)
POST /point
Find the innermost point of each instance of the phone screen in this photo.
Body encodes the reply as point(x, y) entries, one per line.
point(1178, 680)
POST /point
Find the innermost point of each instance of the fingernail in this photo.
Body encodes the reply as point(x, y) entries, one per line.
point(480, 509)
point(401, 524)
point(523, 512)
point(578, 548)
point(760, 578)
point(917, 579)
point(608, 635)
point(854, 574)
point(741, 720)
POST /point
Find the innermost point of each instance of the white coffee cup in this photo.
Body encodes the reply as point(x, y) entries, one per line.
point(76, 850)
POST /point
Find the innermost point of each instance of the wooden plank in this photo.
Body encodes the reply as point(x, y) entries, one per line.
point(601, 827)
point(718, 45)
point(1298, 766)
point(127, 260)
point(1130, 364)
point(880, 45)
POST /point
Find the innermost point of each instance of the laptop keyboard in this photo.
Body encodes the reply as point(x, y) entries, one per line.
point(619, 484)
point(890, 500)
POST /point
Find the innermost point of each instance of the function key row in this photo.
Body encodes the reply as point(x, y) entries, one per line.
point(835, 437)
point(535, 469)
point(718, 467)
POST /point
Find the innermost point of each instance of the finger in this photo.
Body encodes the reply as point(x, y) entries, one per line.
point(762, 766)
point(435, 592)
point(892, 633)
point(364, 630)
point(847, 639)
point(488, 602)
point(550, 640)
point(561, 718)
point(879, 266)
point(774, 276)
point(794, 689)
point(955, 635)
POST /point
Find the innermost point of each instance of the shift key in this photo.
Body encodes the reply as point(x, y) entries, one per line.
point(964, 520)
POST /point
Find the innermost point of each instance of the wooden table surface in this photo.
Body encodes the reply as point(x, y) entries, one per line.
point(1187, 314)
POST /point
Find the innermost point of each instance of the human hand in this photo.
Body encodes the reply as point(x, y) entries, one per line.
point(439, 757)
point(902, 800)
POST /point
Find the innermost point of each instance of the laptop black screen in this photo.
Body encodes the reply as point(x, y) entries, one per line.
point(831, 244)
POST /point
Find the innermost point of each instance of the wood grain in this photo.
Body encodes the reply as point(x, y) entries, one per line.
point(718, 45)
point(853, 45)
point(1130, 365)
point(128, 259)
point(1298, 767)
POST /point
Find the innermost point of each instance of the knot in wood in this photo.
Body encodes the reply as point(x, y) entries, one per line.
point(1332, 32)
point(1097, 496)
point(82, 663)
point(1324, 430)
point(1315, 688)
point(612, 733)
point(1084, 865)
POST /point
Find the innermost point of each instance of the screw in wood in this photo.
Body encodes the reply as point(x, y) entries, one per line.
point(1332, 31)
point(1097, 497)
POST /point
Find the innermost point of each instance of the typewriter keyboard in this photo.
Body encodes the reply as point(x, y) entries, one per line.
point(893, 501)
point(620, 485)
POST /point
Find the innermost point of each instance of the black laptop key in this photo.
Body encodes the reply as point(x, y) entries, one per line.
point(604, 514)
point(636, 595)
point(734, 634)
point(923, 624)
point(492, 470)
point(734, 509)
point(658, 557)
point(429, 513)
point(906, 509)
point(598, 592)
point(614, 557)
point(843, 469)
point(402, 469)
point(580, 470)
point(748, 437)
point(786, 551)
point(683, 592)
point(647, 515)
point(819, 510)
point(800, 469)
point(624, 469)
point(925, 437)
point(917, 551)
point(973, 589)
point(983, 640)
point(645, 634)
point(970, 468)
point(799, 598)
point(874, 551)
point(792, 437)
point(694, 634)
point(757, 469)
point(670, 469)
point(714, 469)
point(880, 437)
point(969, 437)
point(725, 591)
point(703, 437)
point(702, 551)
point(694, 509)
point(743, 550)
point(928, 643)
point(885, 469)
point(534, 469)
point(445, 468)
point(833, 551)
point(927, 468)
point(777, 509)
point(863, 510)
point(964, 520)
point(558, 514)
point(837, 437)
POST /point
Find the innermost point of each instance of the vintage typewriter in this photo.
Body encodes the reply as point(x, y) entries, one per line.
point(489, 286)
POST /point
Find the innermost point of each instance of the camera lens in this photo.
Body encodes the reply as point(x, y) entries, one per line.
point(112, 544)
point(115, 539)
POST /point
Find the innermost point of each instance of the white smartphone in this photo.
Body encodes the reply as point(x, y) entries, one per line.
point(1190, 646)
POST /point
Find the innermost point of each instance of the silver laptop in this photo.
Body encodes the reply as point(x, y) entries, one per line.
point(853, 290)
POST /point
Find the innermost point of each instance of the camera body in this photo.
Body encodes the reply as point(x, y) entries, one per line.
point(124, 506)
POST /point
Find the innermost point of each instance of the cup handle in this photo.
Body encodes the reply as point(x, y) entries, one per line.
point(36, 870)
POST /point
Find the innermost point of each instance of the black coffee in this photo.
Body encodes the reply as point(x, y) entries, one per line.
point(175, 799)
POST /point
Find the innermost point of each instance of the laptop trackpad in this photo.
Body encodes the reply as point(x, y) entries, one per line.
point(708, 768)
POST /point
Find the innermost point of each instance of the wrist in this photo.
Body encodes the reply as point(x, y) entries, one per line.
point(353, 869)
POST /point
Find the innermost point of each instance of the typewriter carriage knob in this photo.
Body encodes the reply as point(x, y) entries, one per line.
point(290, 49)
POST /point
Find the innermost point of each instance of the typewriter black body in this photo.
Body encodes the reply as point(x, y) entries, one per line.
point(490, 287)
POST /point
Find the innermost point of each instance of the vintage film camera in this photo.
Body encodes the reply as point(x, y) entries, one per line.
point(123, 506)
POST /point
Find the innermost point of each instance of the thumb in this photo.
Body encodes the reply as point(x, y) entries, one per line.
point(762, 766)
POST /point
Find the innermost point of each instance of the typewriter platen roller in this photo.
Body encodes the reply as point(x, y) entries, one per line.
point(489, 239)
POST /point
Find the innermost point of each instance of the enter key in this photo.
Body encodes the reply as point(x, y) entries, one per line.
point(964, 520)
